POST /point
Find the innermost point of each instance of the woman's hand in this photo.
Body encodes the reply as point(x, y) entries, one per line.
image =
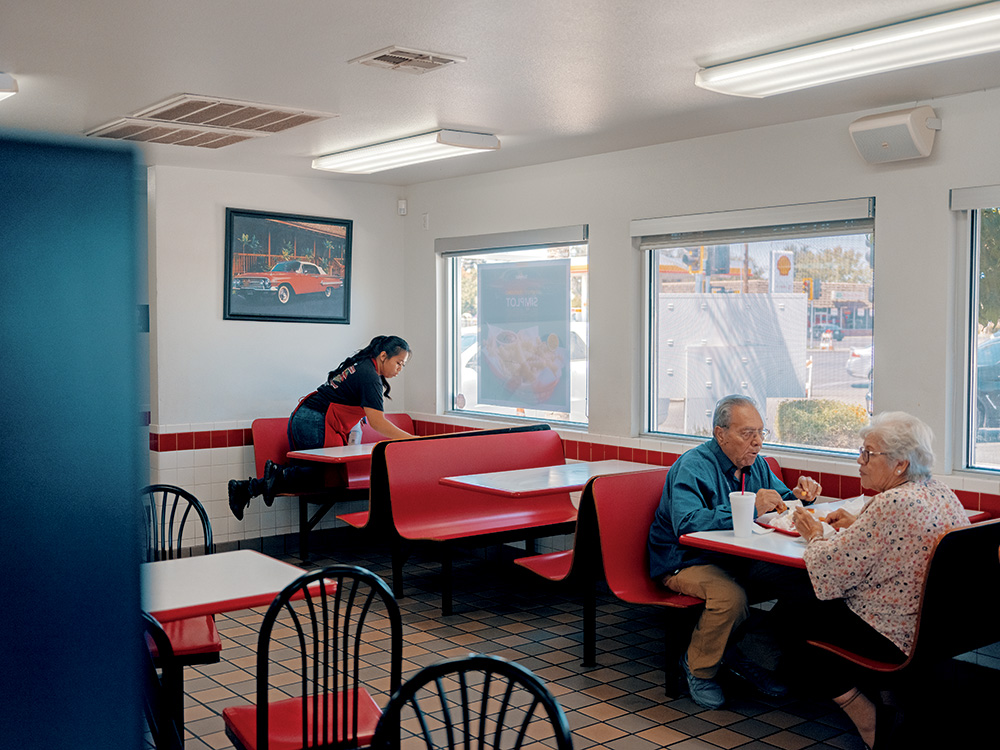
point(380, 423)
point(840, 518)
point(806, 524)
point(807, 490)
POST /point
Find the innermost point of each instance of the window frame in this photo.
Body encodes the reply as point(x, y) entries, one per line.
point(448, 249)
point(966, 203)
point(727, 227)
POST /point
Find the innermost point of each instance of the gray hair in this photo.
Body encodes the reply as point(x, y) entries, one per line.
point(723, 415)
point(904, 438)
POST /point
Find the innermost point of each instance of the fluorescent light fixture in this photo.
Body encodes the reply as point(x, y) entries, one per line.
point(439, 144)
point(944, 36)
point(8, 86)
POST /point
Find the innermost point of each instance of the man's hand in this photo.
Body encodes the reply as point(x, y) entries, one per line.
point(768, 500)
point(807, 490)
point(840, 518)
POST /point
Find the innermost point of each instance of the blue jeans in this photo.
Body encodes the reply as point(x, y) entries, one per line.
point(307, 429)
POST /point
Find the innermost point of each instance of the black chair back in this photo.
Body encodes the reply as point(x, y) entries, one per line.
point(174, 519)
point(162, 687)
point(477, 701)
point(319, 629)
point(960, 607)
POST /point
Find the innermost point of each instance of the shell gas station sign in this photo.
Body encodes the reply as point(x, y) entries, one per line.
point(782, 272)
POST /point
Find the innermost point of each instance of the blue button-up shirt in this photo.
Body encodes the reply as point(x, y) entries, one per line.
point(696, 498)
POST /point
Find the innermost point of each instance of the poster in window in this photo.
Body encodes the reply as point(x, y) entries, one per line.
point(524, 334)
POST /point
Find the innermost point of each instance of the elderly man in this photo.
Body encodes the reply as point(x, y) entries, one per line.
point(696, 498)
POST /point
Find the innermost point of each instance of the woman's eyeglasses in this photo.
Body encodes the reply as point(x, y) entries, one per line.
point(864, 454)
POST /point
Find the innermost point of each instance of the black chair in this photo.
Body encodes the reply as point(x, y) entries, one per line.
point(175, 521)
point(476, 701)
point(162, 688)
point(329, 626)
point(168, 509)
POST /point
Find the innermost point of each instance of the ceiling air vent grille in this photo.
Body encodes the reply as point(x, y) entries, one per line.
point(407, 60)
point(205, 122)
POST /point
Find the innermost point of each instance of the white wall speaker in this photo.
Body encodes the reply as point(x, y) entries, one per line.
point(894, 136)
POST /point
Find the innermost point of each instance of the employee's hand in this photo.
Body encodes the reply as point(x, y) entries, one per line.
point(768, 500)
point(806, 524)
point(840, 518)
point(807, 490)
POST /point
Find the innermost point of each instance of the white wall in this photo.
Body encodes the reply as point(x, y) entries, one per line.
point(918, 268)
point(210, 373)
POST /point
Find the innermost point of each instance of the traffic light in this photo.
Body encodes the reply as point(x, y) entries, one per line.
point(693, 259)
point(807, 287)
point(816, 289)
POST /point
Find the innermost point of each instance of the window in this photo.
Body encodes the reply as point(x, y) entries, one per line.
point(519, 312)
point(983, 412)
point(775, 304)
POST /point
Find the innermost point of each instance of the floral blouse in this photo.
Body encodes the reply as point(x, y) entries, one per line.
point(878, 563)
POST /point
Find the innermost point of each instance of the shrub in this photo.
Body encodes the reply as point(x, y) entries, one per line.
point(822, 422)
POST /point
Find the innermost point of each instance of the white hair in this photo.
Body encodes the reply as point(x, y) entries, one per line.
point(904, 438)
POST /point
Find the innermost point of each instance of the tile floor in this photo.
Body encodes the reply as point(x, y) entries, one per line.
point(620, 705)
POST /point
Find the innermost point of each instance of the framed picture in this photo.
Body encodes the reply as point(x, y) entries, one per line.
point(287, 267)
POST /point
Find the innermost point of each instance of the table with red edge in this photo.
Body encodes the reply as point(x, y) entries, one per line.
point(772, 546)
point(543, 480)
point(212, 584)
point(338, 454)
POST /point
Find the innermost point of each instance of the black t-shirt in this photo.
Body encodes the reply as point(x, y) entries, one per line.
point(358, 385)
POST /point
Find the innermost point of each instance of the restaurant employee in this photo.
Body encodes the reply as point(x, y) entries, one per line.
point(352, 392)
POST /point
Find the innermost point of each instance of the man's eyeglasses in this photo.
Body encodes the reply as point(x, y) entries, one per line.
point(748, 434)
point(864, 454)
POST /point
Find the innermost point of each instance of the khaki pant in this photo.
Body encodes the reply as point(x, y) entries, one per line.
point(725, 610)
point(727, 592)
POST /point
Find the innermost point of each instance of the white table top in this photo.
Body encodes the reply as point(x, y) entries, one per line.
point(337, 454)
point(770, 547)
point(543, 480)
point(209, 584)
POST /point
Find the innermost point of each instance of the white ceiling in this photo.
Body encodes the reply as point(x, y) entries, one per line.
point(554, 79)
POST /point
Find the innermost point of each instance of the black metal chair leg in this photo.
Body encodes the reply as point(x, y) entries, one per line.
point(304, 529)
point(589, 624)
point(446, 582)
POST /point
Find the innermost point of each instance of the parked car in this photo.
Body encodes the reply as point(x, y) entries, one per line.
point(988, 383)
point(859, 363)
point(285, 280)
point(835, 330)
point(471, 362)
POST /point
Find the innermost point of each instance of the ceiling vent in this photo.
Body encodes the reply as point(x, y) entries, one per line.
point(407, 60)
point(205, 122)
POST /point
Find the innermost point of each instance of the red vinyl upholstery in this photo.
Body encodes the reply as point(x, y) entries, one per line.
point(195, 640)
point(424, 509)
point(285, 722)
point(616, 512)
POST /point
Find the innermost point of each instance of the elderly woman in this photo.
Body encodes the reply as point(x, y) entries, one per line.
point(871, 573)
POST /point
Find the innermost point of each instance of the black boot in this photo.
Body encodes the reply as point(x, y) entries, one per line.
point(271, 482)
point(239, 497)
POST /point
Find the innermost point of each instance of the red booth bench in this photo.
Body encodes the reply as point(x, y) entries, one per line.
point(616, 512)
point(347, 482)
point(408, 502)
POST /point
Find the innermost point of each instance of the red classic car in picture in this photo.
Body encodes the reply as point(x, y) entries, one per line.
point(286, 280)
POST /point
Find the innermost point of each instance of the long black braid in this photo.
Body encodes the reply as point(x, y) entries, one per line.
point(391, 345)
